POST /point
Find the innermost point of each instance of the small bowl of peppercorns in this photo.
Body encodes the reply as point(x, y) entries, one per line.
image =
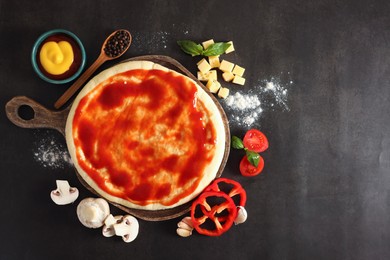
point(58, 56)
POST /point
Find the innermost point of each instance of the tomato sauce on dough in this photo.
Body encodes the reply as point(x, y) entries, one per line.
point(143, 136)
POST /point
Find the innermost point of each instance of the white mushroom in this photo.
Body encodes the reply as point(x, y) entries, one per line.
point(64, 194)
point(185, 227)
point(128, 228)
point(242, 215)
point(92, 212)
point(108, 229)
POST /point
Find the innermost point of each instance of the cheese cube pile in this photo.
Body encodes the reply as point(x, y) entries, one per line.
point(239, 71)
point(213, 86)
point(203, 66)
point(230, 72)
point(230, 49)
point(207, 43)
point(226, 66)
point(214, 61)
point(238, 80)
point(223, 92)
point(209, 75)
point(228, 76)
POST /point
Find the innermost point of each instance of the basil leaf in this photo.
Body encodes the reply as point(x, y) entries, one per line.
point(190, 47)
point(237, 143)
point(216, 49)
point(253, 157)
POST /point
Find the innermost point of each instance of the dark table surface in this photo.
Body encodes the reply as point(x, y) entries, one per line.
point(324, 192)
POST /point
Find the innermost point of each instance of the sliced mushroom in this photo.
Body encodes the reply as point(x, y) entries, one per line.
point(108, 229)
point(185, 227)
point(92, 212)
point(64, 194)
point(242, 215)
point(128, 228)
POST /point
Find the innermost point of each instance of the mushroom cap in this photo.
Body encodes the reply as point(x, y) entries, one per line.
point(92, 212)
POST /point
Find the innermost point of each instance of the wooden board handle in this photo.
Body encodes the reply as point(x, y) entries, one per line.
point(43, 117)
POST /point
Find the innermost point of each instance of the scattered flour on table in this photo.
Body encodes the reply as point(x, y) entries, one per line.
point(150, 41)
point(245, 109)
point(50, 153)
point(278, 92)
point(153, 42)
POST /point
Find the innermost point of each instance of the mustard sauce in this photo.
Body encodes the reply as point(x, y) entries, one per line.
point(56, 57)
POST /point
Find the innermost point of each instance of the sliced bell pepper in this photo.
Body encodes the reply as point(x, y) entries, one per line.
point(237, 189)
point(217, 207)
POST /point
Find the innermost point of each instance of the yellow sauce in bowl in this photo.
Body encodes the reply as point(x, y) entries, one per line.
point(56, 57)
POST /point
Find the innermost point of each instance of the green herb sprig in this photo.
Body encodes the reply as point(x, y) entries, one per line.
point(253, 157)
point(196, 49)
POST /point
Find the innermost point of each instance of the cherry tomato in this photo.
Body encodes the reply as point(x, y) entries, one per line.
point(256, 141)
point(248, 170)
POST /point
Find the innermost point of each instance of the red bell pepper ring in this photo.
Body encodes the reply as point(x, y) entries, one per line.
point(236, 190)
point(222, 222)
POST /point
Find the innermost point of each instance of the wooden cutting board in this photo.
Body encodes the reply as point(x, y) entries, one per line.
point(47, 118)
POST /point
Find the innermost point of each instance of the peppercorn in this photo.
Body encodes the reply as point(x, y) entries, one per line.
point(117, 44)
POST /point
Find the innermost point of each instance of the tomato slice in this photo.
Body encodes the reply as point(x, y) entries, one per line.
point(256, 141)
point(248, 170)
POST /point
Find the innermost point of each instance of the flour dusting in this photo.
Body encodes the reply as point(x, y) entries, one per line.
point(151, 42)
point(245, 109)
point(51, 154)
point(276, 92)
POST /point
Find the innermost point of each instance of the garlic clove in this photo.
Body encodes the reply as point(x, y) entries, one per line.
point(188, 221)
point(183, 232)
point(242, 215)
point(185, 227)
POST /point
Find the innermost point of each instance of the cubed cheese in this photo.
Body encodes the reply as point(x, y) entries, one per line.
point(228, 76)
point(238, 80)
point(239, 71)
point(226, 66)
point(231, 48)
point(209, 75)
point(202, 76)
point(223, 92)
point(212, 75)
point(213, 86)
point(207, 43)
point(214, 61)
point(203, 65)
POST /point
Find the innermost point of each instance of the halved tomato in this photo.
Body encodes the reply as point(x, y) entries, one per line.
point(256, 141)
point(248, 170)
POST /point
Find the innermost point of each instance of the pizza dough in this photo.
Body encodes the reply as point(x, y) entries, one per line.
point(145, 137)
